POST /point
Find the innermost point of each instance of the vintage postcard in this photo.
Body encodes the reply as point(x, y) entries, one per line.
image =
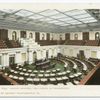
point(49, 50)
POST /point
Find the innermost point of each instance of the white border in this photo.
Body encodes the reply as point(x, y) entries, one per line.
point(49, 1)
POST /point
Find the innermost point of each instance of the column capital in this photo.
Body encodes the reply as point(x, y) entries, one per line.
point(4, 53)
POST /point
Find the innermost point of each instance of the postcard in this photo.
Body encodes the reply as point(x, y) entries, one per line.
point(49, 50)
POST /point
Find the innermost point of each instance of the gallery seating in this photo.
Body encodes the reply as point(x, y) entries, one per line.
point(3, 44)
point(12, 44)
point(92, 43)
point(51, 42)
point(81, 42)
point(45, 42)
point(75, 42)
point(9, 44)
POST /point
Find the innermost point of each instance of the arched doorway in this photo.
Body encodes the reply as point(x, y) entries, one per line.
point(76, 37)
point(43, 37)
point(14, 35)
point(97, 36)
point(11, 60)
point(60, 37)
point(30, 35)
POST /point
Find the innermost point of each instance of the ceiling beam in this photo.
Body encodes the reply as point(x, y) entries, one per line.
point(51, 18)
point(9, 14)
point(37, 12)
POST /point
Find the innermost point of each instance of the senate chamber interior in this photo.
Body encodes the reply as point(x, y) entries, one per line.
point(49, 47)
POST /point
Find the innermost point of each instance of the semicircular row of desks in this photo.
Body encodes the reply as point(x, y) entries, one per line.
point(84, 67)
point(54, 76)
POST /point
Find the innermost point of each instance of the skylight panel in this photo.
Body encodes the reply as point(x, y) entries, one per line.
point(72, 21)
point(36, 10)
point(64, 24)
point(36, 17)
point(60, 23)
point(76, 12)
point(8, 10)
point(24, 13)
point(45, 19)
point(93, 24)
point(2, 13)
point(57, 23)
point(75, 22)
point(54, 21)
point(82, 25)
point(59, 16)
point(89, 21)
point(73, 10)
point(82, 16)
point(66, 19)
point(90, 18)
point(49, 12)
point(72, 27)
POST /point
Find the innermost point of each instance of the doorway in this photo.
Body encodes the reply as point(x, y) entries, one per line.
point(47, 54)
point(85, 35)
point(11, 60)
point(81, 54)
point(14, 35)
point(34, 57)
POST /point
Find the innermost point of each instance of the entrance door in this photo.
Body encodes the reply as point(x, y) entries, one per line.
point(85, 35)
point(67, 36)
point(81, 54)
point(34, 57)
point(47, 54)
point(23, 34)
point(14, 36)
point(37, 36)
point(48, 36)
point(11, 61)
point(3, 34)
